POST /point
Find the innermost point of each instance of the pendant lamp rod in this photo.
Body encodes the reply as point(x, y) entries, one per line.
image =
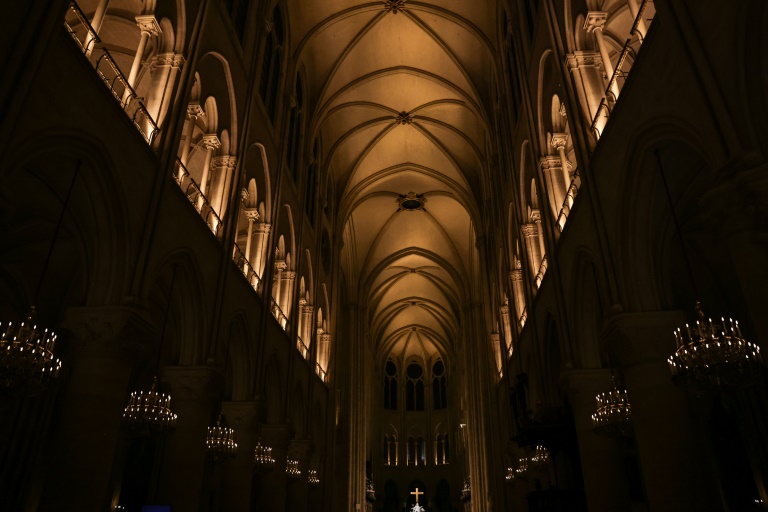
point(56, 232)
point(165, 321)
point(677, 229)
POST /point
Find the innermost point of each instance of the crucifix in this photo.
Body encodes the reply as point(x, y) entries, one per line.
point(417, 494)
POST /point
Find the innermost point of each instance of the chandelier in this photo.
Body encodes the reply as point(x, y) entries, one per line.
point(220, 441)
point(540, 456)
point(26, 353)
point(522, 466)
point(510, 474)
point(613, 412)
point(262, 457)
point(713, 353)
point(710, 353)
point(151, 410)
point(292, 468)
point(466, 491)
point(312, 478)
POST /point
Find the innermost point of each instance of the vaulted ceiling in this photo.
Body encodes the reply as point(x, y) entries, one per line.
point(401, 96)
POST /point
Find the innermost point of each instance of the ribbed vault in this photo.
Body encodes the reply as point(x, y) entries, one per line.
point(401, 104)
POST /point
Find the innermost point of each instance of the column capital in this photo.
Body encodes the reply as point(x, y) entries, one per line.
point(595, 20)
point(636, 338)
point(289, 274)
point(241, 415)
point(223, 161)
point(550, 162)
point(252, 214)
point(495, 337)
point(516, 275)
point(580, 59)
point(148, 24)
point(559, 140)
point(280, 265)
point(173, 60)
point(529, 229)
point(194, 110)
point(325, 337)
point(307, 308)
point(210, 141)
point(262, 228)
point(504, 309)
point(111, 328)
point(536, 215)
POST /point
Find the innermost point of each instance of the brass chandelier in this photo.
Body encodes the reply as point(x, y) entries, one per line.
point(150, 411)
point(26, 353)
point(312, 478)
point(292, 468)
point(613, 412)
point(540, 456)
point(220, 441)
point(709, 354)
point(262, 457)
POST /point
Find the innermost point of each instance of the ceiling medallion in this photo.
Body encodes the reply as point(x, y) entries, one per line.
point(404, 118)
point(411, 202)
point(394, 6)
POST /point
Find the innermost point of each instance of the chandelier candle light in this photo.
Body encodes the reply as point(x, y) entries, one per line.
point(220, 441)
point(26, 354)
point(292, 468)
point(613, 412)
point(262, 457)
point(151, 410)
point(709, 354)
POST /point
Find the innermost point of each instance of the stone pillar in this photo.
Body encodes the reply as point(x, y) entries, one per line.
point(676, 470)
point(496, 346)
point(195, 391)
point(194, 110)
point(164, 70)
point(149, 27)
point(324, 351)
point(588, 82)
point(222, 171)
point(96, 22)
point(297, 497)
point(280, 266)
point(210, 143)
point(530, 236)
point(235, 495)
point(88, 433)
point(594, 23)
point(506, 323)
point(252, 214)
point(261, 234)
point(635, 10)
point(307, 317)
point(273, 485)
point(286, 292)
point(536, 218)
point(559, 141)
point(605, 478)
point(516, 276)
point(553, 170)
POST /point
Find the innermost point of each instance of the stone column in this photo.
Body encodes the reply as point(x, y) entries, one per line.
point(286, 292)
point(273, 485)
point(676, 470)
point(635, 10)
point(594, 23)
point(530, 236)
point(107, 343)
point(496, 345)
point(324, 351)
point(307, 317)
point(194, 110)
point(536, 218)
point(195, 391)
point(165, 69)
point(588, 82)
point(149, 27)
point(559, 141)
point(516, 276)
point(96, 22)
point(222, 171)
point(210, 143)
point(506, 323)
point(552, 167)
point(252, 214)
point(261, 234)
point(280, 266)
point(237, 485)
point(605, 478)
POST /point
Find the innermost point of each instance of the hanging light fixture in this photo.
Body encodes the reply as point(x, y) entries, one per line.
point(151, 410)
point(370, 490)
point(522, 466)
point(312, 478)
point(709, 353)
point(466, 491)
point(292, 468)
point(262, 458)
point(510, 474)
point(540, 456)
point(26, 353)
point(613, 412)
point(220, 441)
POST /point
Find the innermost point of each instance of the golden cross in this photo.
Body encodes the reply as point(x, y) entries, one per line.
point(417, 494)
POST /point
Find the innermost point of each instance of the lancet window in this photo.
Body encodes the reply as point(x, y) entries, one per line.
point(390, 386)
point(414, 388)
point(439, 386)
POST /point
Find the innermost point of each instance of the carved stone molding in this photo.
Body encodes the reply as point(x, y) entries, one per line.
point(262, 228)
point(403, 118)
point(582, 59)
point(252, 214)
point(529, 230)
point(210, 141)
point(149, 25)
point(174, 60)
point(394, 6)
point(595, 20)
point(194, 110)
point(559, 140)
point(550, 163)
point(516, 275)
point(223, 161)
